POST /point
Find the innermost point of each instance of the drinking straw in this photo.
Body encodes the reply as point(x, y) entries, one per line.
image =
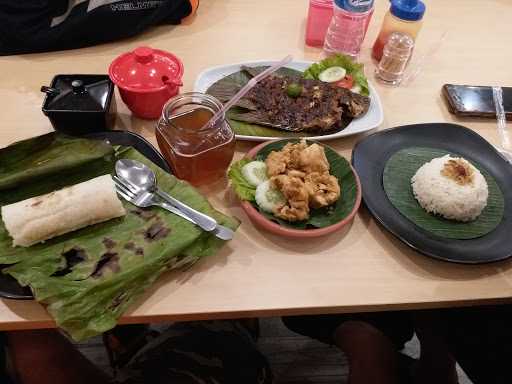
point(497, 95)
point(505, 149)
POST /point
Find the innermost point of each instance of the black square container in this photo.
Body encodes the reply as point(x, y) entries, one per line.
point(80, 104)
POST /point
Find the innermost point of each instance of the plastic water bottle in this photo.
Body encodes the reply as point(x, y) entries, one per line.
point(348, 27)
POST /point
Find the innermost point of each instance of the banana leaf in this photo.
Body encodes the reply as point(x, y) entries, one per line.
point(88, 278)
point(396, 180)
point(39, 157)
point(252, 129)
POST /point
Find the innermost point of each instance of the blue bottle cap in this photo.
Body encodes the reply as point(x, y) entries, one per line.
point(411, 10)
point(358, 6)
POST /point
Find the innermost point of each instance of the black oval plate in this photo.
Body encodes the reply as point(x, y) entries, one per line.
point(9, 287)
point(369, 159)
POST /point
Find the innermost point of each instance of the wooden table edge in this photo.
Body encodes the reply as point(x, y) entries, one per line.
point(272, 312)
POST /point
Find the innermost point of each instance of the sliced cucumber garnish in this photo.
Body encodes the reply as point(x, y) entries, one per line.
point(255, 172)
point(332, 74)
point(267, 197)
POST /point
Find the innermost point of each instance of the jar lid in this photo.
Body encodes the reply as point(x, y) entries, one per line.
point(146, 70)
point(357, 6)
point(411, 10)
point(78, 93)
point(400, 42)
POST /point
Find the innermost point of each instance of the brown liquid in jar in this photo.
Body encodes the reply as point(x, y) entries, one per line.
point(200, 157)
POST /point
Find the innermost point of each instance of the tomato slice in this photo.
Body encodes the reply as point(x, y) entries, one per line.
point(346, 82)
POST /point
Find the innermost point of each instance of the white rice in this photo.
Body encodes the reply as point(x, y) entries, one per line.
point(443, 196)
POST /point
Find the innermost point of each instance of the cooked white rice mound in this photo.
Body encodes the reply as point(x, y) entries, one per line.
point(442, 195)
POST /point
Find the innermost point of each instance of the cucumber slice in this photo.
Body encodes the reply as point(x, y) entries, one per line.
point(267, 197)
point(356, 89)
point(332, 74)
point(255, 172)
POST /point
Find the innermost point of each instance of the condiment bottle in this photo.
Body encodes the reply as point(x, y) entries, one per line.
point(396, 55)
point(196, 152)
point(348, 27)
point(319, 18)
point(403, 16)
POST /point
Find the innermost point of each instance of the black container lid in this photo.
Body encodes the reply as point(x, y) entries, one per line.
point(78, 93)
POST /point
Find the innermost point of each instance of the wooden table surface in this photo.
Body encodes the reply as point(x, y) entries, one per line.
point(361, 268)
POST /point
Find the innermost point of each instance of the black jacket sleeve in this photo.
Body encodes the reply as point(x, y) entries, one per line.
point(47, 25)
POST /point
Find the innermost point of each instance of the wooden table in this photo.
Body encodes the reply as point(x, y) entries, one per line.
point(362, 268)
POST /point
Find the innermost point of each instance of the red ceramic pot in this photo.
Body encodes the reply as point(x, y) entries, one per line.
point(147, 78)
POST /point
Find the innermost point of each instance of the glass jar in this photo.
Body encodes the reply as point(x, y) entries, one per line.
point(197, 152)
point(396, 55)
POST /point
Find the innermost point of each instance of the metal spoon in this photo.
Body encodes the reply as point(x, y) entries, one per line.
point(137, 173)
point(144, 177)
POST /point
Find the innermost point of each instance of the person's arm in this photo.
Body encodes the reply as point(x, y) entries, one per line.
point(47, 357)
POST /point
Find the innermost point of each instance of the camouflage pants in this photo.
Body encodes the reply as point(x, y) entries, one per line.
point(217, 352)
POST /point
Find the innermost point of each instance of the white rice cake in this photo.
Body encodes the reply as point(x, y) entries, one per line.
point(43, 217)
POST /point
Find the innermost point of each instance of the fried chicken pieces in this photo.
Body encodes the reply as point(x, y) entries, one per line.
point(301, 173)
point(297, 196)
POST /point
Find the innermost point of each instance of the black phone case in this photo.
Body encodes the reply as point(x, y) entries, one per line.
point(455, 108)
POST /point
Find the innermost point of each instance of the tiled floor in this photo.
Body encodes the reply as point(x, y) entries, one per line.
point(294, 359)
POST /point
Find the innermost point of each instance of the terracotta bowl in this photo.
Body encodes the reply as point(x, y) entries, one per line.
point(270, 226)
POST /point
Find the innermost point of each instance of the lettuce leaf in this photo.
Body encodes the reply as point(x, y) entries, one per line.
point(243, 189)
point(356, 70)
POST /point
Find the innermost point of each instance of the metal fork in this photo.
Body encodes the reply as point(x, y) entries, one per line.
point(144, 199)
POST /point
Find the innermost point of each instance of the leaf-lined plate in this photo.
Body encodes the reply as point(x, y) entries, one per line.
point(370, 156)
point(396, 180)
point(252, 132)
point(322, 221)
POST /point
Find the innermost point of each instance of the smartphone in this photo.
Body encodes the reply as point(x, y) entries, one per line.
point(472, 100)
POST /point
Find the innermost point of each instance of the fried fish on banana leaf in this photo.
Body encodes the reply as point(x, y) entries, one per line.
point(319, 107)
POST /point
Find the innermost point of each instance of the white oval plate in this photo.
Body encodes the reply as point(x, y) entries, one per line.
point(371, 120)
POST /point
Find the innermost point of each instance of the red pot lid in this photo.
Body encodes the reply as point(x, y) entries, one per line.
point(146, 70)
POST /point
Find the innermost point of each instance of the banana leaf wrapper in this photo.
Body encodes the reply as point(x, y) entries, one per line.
point(88, 278)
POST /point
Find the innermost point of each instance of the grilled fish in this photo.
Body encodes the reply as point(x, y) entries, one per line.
point(319, 108)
